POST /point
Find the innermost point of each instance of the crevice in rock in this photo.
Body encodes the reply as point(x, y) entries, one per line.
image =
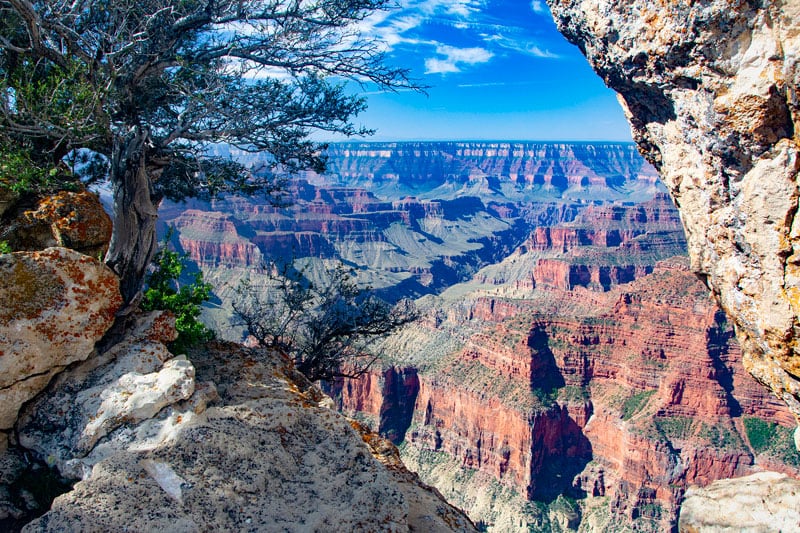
point(32, 492)
point(33, 376)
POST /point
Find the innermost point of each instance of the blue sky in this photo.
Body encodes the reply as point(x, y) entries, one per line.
point(498, 69)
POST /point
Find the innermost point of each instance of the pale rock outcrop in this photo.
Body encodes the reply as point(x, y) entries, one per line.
point(710, 90)
point(270, 455)
point(157, 447)
point(766, 502)
point(54, 305)
point(122, 390)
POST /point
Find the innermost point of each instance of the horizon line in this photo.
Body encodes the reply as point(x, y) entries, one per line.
point(467, 140)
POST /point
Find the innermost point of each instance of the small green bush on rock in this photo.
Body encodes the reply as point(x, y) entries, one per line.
point(165, 292)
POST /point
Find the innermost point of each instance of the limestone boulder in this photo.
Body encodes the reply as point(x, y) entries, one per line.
point(710, 91)
point(54, 306)
point(113, 401)
point(74, 220)
point(766, 502)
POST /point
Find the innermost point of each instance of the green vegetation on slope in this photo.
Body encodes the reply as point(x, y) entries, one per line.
point(772, 439)
point(635, 403)
point(164, 292)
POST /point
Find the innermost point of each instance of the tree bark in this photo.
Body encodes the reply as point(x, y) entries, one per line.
point(133, 241)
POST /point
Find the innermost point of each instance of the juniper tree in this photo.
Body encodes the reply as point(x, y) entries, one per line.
point(147, 86)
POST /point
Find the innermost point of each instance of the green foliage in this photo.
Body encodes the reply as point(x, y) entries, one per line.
point(674, 427)
point(722, 437)
point(165, 292)
point(760, 433)
point(633, 404)
point(19, 174)
point(49, 111)
point(181, 79)
point(573, 393)
point(5, 248)
point(772, 439)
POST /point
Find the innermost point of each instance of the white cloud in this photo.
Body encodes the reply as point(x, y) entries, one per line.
point(440, 66)
point(454, 57)
point(539, 7)
point(461, 8)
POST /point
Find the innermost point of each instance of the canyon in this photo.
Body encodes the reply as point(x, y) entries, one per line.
point(569, 371)
point(418, 218)
point(574, 404)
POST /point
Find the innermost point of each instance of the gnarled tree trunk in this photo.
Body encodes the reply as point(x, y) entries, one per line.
point(133, 241)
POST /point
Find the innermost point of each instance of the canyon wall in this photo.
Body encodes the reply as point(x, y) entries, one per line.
point(617, 400)
point(557, 166)
point(710, 90)
point(585, 381)
point(415, 218)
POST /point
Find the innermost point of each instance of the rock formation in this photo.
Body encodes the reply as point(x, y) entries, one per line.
point(268, 454)
point(710, 90)
point(555, 166)
point(73, 220)
point(414, 217)
point(767, 502)
point(54, 305)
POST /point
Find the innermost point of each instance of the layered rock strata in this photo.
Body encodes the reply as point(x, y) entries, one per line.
point(553, 165)
point(619, 399)
point(710, 90)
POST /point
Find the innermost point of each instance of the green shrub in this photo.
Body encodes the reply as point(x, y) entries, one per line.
point(635, 403)
point(721, 437)
point(5, 248)
point(165, 292)
point(760, 433)
point(674, 427)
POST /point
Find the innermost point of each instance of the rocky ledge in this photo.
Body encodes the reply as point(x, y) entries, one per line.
point(226, 439)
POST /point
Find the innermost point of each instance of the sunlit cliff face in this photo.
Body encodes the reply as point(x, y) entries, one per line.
point(710, 90)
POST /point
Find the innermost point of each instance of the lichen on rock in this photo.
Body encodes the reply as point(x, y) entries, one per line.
point(268, 455)
point(54, 305)
point(73, 220)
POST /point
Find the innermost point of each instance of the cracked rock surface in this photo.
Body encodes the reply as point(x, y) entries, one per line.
point(54, 305)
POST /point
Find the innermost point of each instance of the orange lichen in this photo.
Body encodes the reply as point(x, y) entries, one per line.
point(24, 295)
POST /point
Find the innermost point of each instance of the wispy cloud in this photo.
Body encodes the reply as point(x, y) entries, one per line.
point(480, 85)
point(521, 46)
point(462, 8)
point(452, 57)
point(476, 37)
